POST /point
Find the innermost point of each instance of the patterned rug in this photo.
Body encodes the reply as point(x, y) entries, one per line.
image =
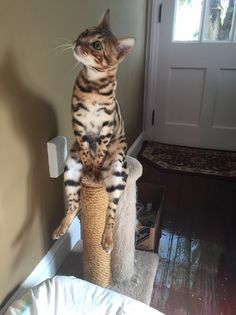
point(189, 160)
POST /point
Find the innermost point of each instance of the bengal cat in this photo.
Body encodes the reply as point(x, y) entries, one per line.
point(100, 146)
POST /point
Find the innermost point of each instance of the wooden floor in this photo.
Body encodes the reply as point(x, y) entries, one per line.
point(197, 248)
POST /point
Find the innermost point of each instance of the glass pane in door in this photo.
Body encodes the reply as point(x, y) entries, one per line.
point(218, 20)
point(187, 24)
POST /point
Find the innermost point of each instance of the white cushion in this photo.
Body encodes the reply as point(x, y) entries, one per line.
point(64, 295)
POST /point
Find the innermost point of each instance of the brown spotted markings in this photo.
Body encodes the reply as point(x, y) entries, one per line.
point(100, 142)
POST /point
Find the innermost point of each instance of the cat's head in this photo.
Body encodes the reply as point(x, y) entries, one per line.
point(98, 48)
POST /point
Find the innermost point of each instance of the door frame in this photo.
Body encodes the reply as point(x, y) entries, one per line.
point(151, 60)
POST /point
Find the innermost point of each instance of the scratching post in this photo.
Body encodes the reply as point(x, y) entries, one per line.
point(133, 271)
point(94, 203)
point(122, 256)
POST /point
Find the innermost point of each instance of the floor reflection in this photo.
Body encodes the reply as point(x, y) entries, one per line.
point(190, 279)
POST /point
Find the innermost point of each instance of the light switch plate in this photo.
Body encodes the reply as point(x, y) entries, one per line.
point(57, 153)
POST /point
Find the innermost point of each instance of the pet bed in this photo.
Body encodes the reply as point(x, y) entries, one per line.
point(64, 295)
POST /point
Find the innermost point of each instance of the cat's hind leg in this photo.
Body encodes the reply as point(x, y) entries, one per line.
point(115, 181)
point(72, 174)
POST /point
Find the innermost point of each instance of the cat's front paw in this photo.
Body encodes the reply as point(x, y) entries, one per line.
point(107, 243)
point(59, 232)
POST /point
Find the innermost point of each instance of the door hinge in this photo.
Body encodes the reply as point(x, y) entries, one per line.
point(159, 13)
point(153, 117)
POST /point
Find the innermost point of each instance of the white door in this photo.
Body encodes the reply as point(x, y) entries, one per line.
point(191, 95)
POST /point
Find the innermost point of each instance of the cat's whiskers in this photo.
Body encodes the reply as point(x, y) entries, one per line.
point(62, 48)
point(63, 45)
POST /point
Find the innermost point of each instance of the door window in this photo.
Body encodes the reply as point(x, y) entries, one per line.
point(204, 20)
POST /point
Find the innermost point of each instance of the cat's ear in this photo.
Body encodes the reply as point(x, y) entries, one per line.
point(125, 45)
point(104, 22)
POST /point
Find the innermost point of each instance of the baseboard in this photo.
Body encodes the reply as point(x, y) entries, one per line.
point(137, 145)
point(50, 263)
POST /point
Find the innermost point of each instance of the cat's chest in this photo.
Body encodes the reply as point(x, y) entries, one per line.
point(93, 118)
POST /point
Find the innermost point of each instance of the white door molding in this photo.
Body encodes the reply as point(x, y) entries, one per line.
point(152, 41)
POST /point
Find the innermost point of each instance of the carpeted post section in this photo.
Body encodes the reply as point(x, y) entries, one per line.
point(139, 287)
point(122, 256)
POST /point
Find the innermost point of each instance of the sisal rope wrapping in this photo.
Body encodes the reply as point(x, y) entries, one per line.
point(94, 203)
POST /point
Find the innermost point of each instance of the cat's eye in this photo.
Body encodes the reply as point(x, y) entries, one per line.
point(97, 45)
